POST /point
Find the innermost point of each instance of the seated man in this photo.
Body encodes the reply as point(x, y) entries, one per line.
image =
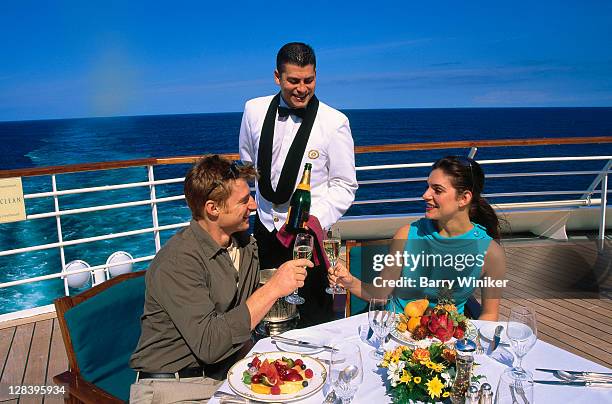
point(201, 301)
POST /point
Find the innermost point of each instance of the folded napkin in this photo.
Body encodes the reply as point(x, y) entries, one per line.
point(315, 229)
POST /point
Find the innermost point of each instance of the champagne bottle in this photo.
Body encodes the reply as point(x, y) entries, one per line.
point(299, 206)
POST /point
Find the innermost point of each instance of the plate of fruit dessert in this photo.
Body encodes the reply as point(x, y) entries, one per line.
point(421, 325)
point(277, 376)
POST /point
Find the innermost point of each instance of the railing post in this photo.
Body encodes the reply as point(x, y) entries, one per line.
point(472, 152)
point(154, 208)
point(60, 238)
point(604, 202)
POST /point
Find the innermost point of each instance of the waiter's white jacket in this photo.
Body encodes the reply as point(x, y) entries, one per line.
point(330, 149)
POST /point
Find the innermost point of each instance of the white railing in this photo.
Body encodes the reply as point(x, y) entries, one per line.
point(586, 198)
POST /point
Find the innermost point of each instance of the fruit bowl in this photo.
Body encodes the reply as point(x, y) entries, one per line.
point(290, 388)
point(421, 325)
point(405, 337)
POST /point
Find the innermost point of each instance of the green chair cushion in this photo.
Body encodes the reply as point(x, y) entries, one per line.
point(104, 331)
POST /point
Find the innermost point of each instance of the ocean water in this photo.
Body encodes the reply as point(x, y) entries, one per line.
point(69, 141)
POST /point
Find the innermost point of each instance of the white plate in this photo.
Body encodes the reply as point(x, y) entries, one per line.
point(301, 335)
point(406, 338)
point(487, 330)
point(234, 378)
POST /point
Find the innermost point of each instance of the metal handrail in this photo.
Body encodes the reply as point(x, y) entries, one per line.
point(154, 201)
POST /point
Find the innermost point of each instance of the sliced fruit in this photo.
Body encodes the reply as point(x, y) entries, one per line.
point(255, 362)
point(275, 390)
point(293, 376)
point(291, 387)
point(260, 388)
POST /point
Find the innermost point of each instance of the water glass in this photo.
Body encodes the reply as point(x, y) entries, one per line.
point(522, 333)
point(346, 370)
point(514, 388)
point(331, 245)
point(302, 248)
point(381, 316)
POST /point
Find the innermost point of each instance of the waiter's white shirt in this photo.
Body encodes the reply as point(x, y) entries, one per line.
point(330, 150)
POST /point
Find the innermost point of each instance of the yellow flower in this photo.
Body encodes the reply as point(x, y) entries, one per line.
point(406, 377)
point(446, 394)
point(384, 364)
point(438, 367)
point(434, 387)
point(417, 380)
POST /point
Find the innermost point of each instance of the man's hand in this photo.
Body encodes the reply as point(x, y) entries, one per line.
point(340, 275)
point(289, 276)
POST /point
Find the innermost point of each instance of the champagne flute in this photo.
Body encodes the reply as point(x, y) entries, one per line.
point(522, 333)
point(381, 316)
point(302, 248)
point(331, 245)
point(346, 370)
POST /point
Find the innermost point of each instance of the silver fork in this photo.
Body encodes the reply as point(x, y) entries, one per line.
point(519, 387)
point(331, 398)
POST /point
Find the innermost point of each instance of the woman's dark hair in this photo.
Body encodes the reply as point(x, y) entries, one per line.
point(467, 175)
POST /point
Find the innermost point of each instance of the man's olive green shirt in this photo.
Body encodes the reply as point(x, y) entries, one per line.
point(195, 310)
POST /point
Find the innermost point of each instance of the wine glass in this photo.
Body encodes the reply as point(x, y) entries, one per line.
point(522, 333)
point(381, 316)
point(346, 370)
point(514, 388)
point(331, 245)
point(302, 248)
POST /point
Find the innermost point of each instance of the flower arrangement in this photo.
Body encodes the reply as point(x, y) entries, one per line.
point(442, 322)
point(421, 374)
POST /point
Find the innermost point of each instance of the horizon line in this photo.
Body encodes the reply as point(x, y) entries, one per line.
point(339, 109)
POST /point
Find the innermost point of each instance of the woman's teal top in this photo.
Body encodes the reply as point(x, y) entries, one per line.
point(435, 263)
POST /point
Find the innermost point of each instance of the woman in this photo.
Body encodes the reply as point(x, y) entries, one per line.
point(457, 239)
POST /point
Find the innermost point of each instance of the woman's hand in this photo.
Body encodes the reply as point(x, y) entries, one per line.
point(340, 275)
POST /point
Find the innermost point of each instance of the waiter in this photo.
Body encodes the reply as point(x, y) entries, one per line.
point(279, 133)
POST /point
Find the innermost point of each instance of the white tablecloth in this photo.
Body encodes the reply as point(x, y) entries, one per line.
point(373, 390)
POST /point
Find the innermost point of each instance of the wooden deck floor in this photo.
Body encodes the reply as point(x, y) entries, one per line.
point(557, 279)
point(570, 286)
point(31, 353)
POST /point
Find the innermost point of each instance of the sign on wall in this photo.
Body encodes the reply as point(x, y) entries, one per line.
point(12, 204)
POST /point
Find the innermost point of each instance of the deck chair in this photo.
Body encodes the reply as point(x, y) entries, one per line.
point(101, 328)
point(356, 254)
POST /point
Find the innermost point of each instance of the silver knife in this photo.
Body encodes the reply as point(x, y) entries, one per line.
point(497, 337)
point(585, 373)
point(292, 341)
point(581, 384)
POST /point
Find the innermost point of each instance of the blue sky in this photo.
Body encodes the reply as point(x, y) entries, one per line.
point(78, 59)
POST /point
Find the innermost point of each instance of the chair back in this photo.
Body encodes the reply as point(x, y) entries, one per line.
point(359, 253)
point(101, 328)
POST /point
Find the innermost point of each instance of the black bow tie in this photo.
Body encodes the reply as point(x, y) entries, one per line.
point(285, 112)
